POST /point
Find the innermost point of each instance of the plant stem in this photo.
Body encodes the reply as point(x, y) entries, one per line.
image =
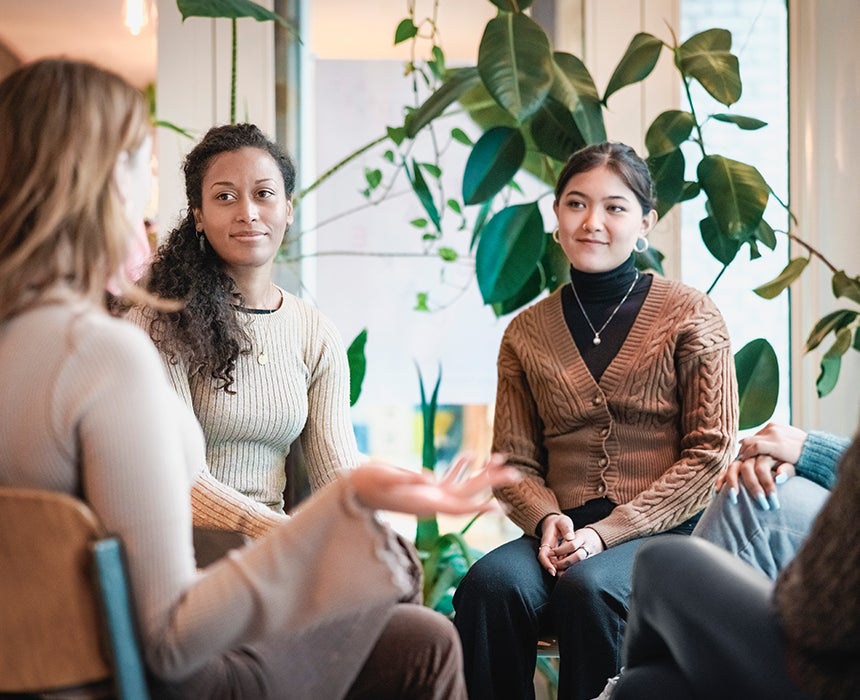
point(812, 251)
point(716, 279)
point(701, 138)
point(233, 73)
point(337, 166)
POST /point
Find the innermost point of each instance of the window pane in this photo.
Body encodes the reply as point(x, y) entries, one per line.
point(759, 40)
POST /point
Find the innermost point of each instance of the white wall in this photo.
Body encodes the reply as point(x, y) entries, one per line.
point(194, 89)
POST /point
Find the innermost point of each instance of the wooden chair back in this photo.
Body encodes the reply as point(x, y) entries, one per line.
point(65, 615)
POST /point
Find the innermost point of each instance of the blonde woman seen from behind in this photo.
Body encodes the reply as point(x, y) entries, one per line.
point(86, 409)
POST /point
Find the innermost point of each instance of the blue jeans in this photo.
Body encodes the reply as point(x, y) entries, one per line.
point(765, 539)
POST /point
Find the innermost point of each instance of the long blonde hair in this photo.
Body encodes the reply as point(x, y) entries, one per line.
point(62, 220)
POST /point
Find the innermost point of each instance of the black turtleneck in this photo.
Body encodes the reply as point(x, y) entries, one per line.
point(600, 293)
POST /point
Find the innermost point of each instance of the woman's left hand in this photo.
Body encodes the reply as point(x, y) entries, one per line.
point(584, 543)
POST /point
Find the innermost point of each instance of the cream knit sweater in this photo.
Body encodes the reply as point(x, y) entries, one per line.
point(651, 436)
point(302, 393)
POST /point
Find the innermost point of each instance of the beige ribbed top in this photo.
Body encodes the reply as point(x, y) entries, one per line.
point(650, 436)
point(302, 392)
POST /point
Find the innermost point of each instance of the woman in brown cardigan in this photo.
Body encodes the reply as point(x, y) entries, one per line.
point(617, 401)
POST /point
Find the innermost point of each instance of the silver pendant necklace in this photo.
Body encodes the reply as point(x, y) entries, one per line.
point(262, 342)
point(596, 339)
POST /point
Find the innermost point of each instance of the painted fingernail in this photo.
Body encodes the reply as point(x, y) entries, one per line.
point(773, 499)
point(762, 501)
point(781, 478)
point(733, 496)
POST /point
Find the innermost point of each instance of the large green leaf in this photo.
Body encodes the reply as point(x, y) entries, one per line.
point(745, 123)
point(357, 365)
point(457, 83)
point(828, 376)
point(510, 247)
point(667, 172)
point(772, 289)
point(636, 64)
point(551, 272)
point(830, 323)
point(483, 109)
point(512, 5)
point(765, 234)
point(555, 132)
point(230, 9)
point(574, 87)
point(737, 194)
point(831, 362)
point(707, 58)
point(405, 30)
point(845, 286)
point(668, 131)
point(515, 63)
point(722, 247)
point(494, 160)
point(758, 382)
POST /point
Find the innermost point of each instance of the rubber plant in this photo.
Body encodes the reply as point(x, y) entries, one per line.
point(534, 106)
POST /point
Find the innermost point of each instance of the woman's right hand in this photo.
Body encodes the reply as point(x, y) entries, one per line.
point(556, 529)
point(382, 486)
point(764, 460)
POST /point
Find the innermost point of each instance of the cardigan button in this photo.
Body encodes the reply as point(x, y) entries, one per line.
point(597, 400)
point(604, 432)
point(603, 461)
point(601, 488)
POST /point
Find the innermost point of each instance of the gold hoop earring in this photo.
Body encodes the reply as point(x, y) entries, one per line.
point(645, 245)
point(555, 234)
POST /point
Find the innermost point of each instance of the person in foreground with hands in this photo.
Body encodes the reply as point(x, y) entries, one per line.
point(744, 635)
point(97, 418)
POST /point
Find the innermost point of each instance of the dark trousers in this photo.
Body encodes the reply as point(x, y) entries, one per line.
point(507, 601)
point(702, 625)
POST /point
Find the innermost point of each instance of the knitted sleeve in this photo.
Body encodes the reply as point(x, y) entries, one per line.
point(517, 432)
point(328, 438)
point(819, 457)
point(816, 594)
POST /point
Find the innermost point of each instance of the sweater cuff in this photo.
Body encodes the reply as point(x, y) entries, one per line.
point(819, 457)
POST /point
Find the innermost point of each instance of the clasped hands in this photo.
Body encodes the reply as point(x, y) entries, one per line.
point(562, 546)
point(764, 460)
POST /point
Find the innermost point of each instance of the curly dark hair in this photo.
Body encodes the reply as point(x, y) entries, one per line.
point(207, 332)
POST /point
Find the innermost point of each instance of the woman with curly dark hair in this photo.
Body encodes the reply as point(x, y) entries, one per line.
point(260, 367)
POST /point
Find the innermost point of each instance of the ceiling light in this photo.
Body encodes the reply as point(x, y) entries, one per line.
point(136, 14)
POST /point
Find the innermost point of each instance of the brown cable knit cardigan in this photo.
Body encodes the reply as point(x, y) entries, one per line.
point(651, 436)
